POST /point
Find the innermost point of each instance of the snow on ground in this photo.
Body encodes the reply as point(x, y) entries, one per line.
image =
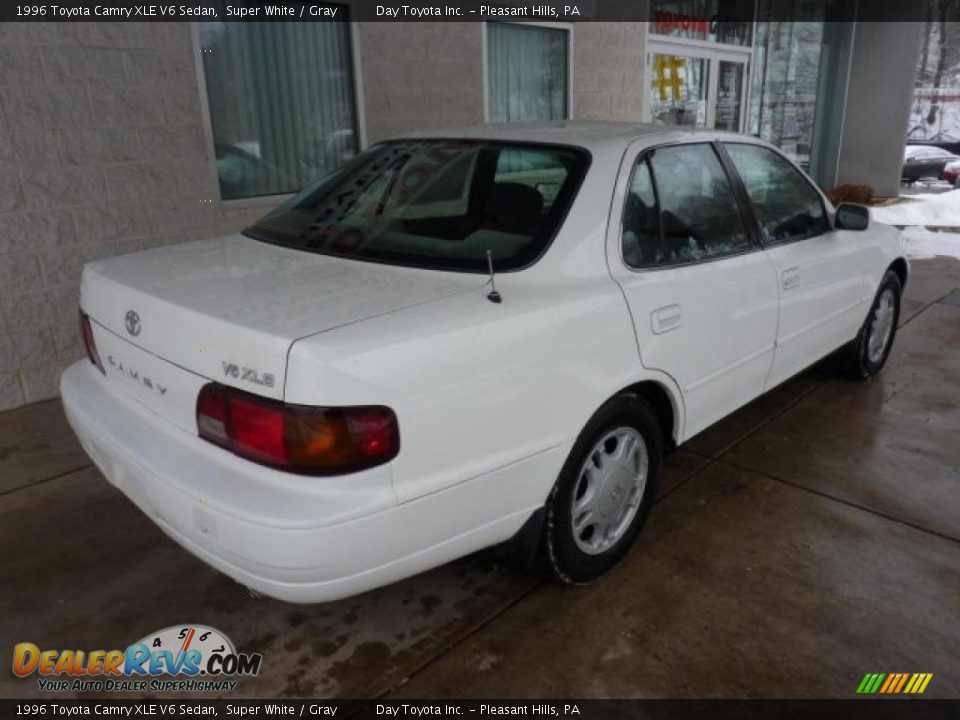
point(938, 210)
point(931, 223)
point(923, 243)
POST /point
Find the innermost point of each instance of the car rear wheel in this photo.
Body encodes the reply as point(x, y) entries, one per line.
point(604, 492)
point(868, 352)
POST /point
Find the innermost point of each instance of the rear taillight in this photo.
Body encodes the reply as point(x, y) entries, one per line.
point(86, 333)
point(297, 438)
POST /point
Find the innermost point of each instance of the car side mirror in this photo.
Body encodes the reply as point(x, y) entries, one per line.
point(851, 217)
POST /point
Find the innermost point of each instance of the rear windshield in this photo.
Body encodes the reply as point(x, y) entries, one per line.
point(434, 204)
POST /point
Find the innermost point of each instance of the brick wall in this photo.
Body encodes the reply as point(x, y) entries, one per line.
point(420, 75)
point(608, 61)
point(102, 152)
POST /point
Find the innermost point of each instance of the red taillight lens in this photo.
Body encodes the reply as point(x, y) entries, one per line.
point(256, 430)
point(86, 333)
point(298, 438)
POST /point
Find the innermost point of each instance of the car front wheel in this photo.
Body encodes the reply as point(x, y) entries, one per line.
point(868, 352)
point(605, 490)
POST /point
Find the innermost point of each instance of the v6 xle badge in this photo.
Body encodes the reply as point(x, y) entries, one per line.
point(246, 374)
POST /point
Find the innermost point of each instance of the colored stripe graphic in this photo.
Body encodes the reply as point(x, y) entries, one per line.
point(891, 680)
point(894, 683)
point(903, 679)
point(870, 683)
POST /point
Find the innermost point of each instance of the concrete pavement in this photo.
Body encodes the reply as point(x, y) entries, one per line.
point(810, 538)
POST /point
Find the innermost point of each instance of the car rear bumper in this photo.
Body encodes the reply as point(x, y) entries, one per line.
point(299, 539)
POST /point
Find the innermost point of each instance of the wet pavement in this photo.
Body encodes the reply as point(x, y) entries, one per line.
point(808, 539)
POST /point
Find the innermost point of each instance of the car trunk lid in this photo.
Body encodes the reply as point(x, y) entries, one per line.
point(229, 309)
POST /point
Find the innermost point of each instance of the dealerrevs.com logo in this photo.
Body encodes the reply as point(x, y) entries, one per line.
point(200, 658)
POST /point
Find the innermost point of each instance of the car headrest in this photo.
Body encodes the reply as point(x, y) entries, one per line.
point(514, 201)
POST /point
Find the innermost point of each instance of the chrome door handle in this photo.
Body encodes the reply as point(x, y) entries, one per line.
point(790, 278)
point(666, 318)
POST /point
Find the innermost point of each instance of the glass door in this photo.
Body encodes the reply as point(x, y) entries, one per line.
point(696, 87)
point(728, 114)
point(679, 90)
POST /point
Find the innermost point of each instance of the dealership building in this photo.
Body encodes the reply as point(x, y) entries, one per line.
point(119, 136)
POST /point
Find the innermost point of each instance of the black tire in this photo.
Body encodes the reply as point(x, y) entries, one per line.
point(858, 362)
point(566, 560)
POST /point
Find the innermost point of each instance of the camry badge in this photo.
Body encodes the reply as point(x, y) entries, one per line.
point(133, 322)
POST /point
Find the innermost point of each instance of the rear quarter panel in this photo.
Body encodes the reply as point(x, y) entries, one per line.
point(478, 386)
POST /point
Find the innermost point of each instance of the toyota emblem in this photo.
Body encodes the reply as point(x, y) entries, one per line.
point(133, 322)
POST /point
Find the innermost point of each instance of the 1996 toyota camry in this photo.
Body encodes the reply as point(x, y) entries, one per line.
point(466, 337)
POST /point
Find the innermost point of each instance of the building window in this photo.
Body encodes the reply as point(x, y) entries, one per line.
point(282, 103)
point(800, 80)
point(528, 72)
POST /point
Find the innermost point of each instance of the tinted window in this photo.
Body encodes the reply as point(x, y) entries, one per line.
point(435, 204)
point(696, 213)
point(641, 225)
point(787, 206)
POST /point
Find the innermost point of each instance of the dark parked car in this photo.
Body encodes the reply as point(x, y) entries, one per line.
point(942, 141)
point(924, 161)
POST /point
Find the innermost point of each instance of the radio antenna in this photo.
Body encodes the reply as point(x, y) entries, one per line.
point(493, 296)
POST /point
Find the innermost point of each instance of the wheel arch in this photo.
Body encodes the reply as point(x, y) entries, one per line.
point(666, 404)
point(899, 266)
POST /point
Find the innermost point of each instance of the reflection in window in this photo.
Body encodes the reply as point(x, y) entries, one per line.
point(433, 204)
point(787, 206)
point(527, 73)
point(729, 94)
point(641, 224)
point(784, 95)
point(799, 58)
point(698, 216)
point(281, 102)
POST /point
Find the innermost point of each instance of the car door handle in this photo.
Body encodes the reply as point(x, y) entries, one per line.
point(790, 278)
point(666, 318)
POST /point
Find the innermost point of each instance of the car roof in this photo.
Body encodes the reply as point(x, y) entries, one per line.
point(590, 135)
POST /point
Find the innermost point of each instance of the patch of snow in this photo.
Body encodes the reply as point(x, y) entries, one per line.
point(926, 184)
point(917, 214)
point(938, 210)
point(923, 243)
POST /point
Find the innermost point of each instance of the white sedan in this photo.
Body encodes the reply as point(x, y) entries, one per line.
point(467, 337)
